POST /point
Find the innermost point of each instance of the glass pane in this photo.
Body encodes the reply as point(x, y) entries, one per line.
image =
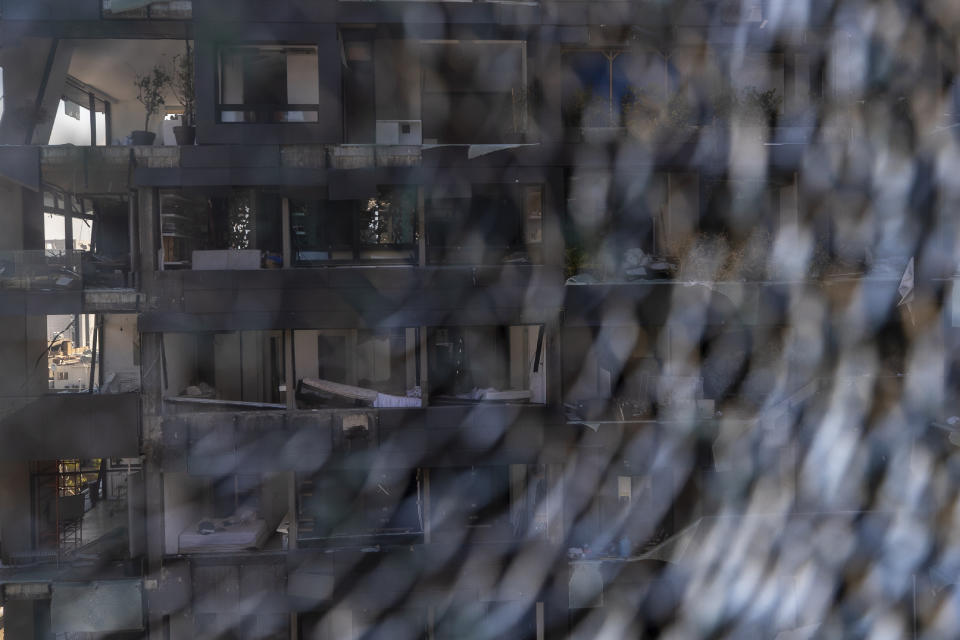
point(388, 225)
point(240, 222)
point(321, 231)
point(390, 218)
point(298, 116)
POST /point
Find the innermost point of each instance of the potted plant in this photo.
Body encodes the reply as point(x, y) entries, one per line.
point(150, 88)
point(181, 85)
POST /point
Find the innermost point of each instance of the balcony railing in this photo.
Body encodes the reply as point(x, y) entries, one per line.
point(41, 270)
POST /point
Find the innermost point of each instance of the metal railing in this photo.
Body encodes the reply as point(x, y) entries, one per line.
point(41, 270)
point(54, 270)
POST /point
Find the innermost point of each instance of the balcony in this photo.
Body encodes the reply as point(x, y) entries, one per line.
point(64, 282)
point(251, 459)
point(302, 441)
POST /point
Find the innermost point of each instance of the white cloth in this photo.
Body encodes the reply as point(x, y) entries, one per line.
point(385, 400)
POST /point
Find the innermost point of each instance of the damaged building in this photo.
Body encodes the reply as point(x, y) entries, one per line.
point(332, 319)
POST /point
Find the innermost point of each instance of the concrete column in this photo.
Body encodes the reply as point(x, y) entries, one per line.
point(11, 216)
point(151, 394)
point(287, 252)
point(15, 513)
point(554, 204)
point(424, 367)
point(545, 64)
point(34, 72)
point(22, 352)
point(148, 204)
point(18, 619)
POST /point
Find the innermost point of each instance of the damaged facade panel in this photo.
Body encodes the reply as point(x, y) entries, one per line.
point(97, 608)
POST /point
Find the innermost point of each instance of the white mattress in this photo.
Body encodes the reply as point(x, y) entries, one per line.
point(236, 536)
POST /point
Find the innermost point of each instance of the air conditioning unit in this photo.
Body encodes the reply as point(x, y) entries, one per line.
point(400, 132)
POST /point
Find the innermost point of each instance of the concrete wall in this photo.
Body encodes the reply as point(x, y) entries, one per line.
point(184, 502)
point(241, 361)
point(22, 347)
point(121, 342)
point(274, 498)
point(72, 425)
point(181, 358)
point(228, 366)
point(397, 79)
point(14, 509)
point(305, 353)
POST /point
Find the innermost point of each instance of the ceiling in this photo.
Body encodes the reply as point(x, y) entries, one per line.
point(111, 65)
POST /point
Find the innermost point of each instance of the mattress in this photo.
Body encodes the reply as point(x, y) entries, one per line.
point(370, 396)
point(230, 535)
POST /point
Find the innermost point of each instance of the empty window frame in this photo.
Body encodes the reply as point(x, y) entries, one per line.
point(384, 361)
point(466, 497)
point(354, 504)
point(486, 224)
point(474, 92)
point(72, 362)
point(607, 88)
point(241, 220)
point(226, 513)
point(614, 217)
point(83, 116)
point(97, 226)
point(381, 228)
point(243, 369)
point(67, 222)
point(80, 506)
point(492, 364)
point(269, 84)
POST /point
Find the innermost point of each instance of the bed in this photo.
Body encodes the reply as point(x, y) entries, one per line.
point(220, 535)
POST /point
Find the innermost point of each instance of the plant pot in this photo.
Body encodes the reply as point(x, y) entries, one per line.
point(142, 138)
point(185, 135)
